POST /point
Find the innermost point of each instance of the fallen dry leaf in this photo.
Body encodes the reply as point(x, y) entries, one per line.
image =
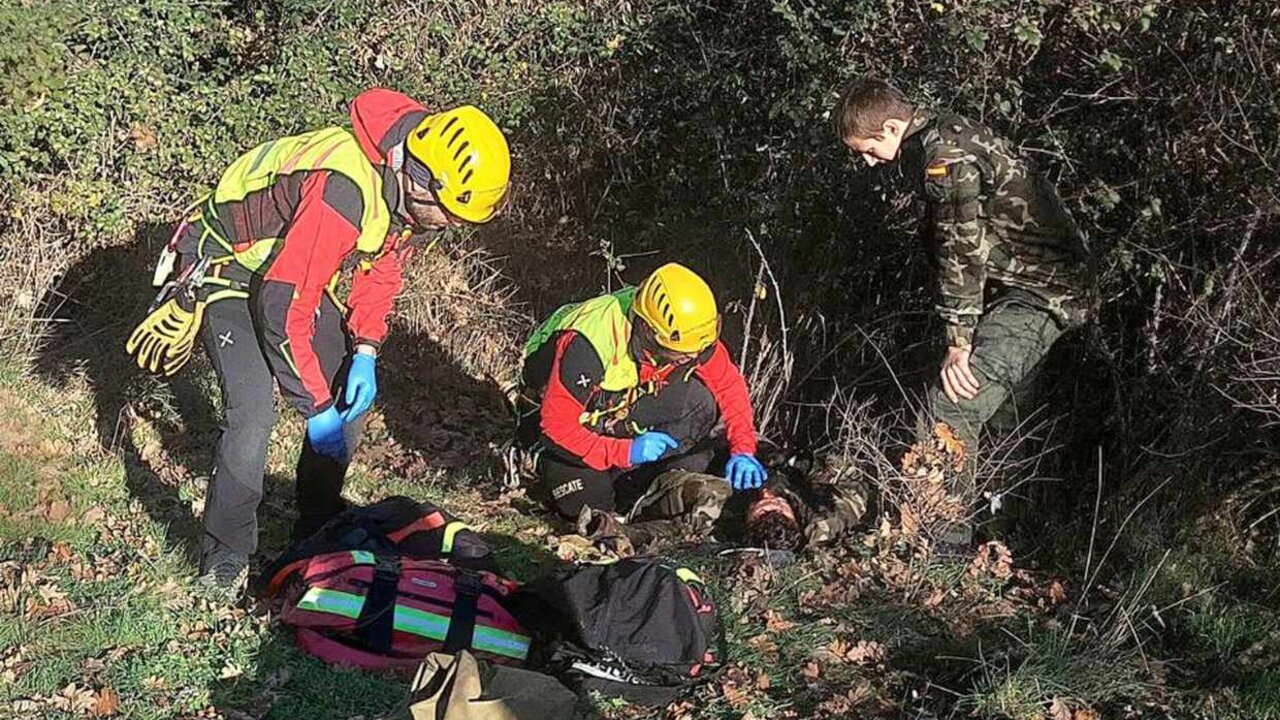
point(154, 683)
point(994, 558)
point(1086, 714)
point(811, 670)
point(1059, 709)
point(910, 525)
point(951, 444)
point(838, 648)
point(682, 710)
point(763, 682)
point(74, 699)
point(574, 547)
point(764, 645)
point(866, 652)
point(775, 623)
point(1057, 591)
point(737, 697)
point(143, 137)
point(61, 552)
point(107, 704)
point(57, 511)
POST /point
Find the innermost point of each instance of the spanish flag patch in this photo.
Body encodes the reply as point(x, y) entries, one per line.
point(936, 169)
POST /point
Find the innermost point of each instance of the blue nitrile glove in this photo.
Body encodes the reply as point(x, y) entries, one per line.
point(325, 433)
point(650, 446)
point(362, 386)
point(745, 472)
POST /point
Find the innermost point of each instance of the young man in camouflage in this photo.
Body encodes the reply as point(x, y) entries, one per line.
point(1012, 264)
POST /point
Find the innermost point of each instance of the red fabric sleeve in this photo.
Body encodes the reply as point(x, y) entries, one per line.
point(729, 388)
point(373, 292)
point(311, 252)
point(561, 417)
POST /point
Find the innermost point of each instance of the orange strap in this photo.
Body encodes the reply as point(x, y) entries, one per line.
point(285, 572)
point(422, 524)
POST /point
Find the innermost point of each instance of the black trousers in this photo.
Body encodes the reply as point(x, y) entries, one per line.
point(684, 408)
point(231, 337)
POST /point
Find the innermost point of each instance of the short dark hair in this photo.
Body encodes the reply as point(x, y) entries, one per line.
point(866, 104)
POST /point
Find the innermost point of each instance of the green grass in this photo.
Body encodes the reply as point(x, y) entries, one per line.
point(117, 547)
point(1225, 631)
point(133, 623)
point(141, 629)
point(1047, 665)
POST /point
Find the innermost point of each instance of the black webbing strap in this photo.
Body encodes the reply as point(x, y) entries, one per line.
point(462, 622)
point(378, 615)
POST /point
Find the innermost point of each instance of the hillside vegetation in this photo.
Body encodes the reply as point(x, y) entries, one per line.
point(1139, 574)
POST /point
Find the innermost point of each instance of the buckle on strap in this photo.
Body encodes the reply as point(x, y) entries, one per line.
point(386, 567)
point(377, 615)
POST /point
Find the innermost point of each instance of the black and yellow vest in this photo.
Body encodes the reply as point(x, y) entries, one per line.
point(333, 149)
point(605, 322)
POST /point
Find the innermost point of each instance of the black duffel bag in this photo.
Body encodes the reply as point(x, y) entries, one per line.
point(640, 628)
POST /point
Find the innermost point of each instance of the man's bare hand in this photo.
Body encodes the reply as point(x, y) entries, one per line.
point(958, 380)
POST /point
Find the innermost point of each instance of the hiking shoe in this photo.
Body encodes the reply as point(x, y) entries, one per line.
point(225, 578)
point(519, 465)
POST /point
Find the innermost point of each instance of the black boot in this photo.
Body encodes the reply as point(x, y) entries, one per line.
point(224, 575)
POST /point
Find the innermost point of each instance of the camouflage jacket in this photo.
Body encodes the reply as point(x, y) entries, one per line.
point(995, 219)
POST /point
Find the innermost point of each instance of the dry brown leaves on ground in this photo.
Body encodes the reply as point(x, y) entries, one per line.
point(124, 533)
point(576, 548)
point(992, 559)
point(228, 623)
point(1062, 709)
point(1042, 596)
point(751, 579)
point(764, 645)
point(861, 653)
point(847, 702)
point(775, 623)
point(845, 577)
point(24, 590)
point(12, 663)
point(924, 503)
point(739, 686)
point(74, 699)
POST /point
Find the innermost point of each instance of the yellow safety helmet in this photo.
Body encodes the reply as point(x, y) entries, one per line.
point(468, 159)
point(680, 308)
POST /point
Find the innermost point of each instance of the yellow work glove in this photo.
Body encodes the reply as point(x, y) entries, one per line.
point(162, 343)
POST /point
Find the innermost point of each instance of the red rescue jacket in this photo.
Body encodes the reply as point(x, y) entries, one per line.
point(302, 229)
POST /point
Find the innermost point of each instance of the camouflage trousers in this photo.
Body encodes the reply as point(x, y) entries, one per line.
point(678, 507)
point(1009, 346)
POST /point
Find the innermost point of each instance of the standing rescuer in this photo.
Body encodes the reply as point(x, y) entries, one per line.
point(625, 386)
point(1012, 264)
point(258, 262)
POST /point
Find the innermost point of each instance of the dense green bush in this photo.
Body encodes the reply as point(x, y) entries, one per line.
point(31, 60)
point(648, 130)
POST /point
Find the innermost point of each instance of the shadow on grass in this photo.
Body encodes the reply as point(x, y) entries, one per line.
point(447, 419)
point(90, 313)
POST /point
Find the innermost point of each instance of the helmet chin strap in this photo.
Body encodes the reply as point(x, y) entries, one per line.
point(642, 341)
point(395, 159)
